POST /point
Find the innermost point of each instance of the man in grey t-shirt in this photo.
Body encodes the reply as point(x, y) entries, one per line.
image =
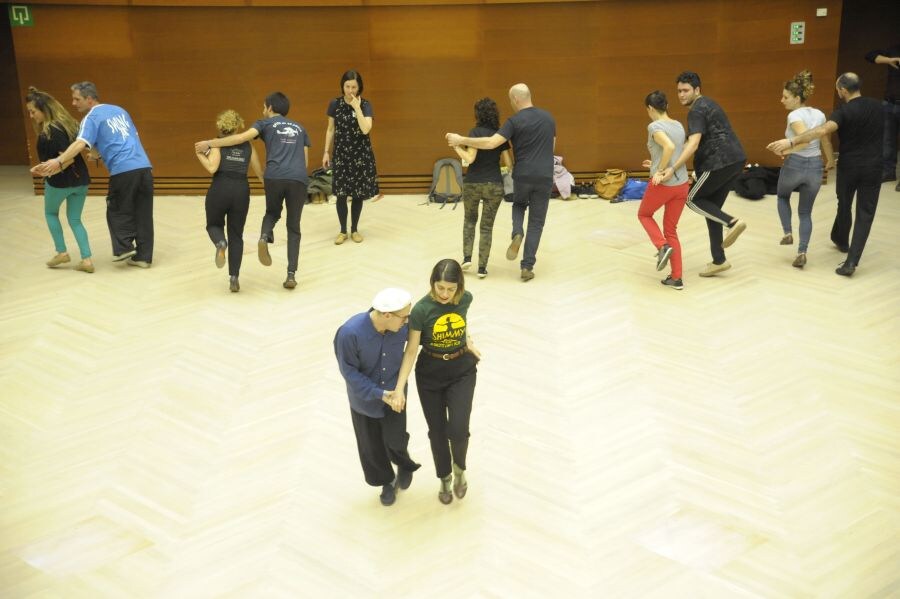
point(532, 133)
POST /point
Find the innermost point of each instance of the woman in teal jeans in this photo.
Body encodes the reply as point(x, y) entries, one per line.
point(56, 129)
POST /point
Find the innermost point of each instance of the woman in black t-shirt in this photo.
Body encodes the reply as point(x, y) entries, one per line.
point(56, 130)
point(229, 194)
point(483, 183)
point(445, 373)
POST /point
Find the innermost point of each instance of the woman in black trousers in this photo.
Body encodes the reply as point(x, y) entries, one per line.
point(229, 195)
point(445, 372)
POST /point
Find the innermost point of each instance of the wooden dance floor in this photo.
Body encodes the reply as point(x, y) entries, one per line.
point(162, 437)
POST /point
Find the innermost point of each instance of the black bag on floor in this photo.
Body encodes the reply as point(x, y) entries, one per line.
point(757, 181)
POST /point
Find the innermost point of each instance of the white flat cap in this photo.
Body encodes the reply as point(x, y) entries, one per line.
point(391, 299)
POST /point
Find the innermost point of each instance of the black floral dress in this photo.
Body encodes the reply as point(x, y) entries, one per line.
point(353, 162)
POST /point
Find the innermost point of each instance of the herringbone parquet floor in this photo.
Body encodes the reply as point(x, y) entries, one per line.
point(162, 437)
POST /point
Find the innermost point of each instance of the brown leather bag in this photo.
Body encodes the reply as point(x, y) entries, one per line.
point(610, 184)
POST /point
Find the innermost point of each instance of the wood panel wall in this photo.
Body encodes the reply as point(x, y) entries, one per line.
point(589, 63)
point(12, 141)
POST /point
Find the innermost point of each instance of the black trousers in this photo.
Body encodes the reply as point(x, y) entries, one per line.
point(129, 213)
point(228, 197)
point(865, 182)
point(446, 389)
point(380, 442)
point(706, 198)
point(292, 195)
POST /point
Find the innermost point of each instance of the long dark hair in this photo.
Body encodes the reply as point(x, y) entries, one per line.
point(449, 271)
point(486, 114)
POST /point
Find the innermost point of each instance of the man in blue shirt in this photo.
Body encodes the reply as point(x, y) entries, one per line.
point(109, 130)
point(369, 350)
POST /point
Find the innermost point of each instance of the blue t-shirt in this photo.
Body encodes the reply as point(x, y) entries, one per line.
point(110, 130)
point(285, 141)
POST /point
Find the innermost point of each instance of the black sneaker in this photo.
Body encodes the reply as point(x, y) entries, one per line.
point(662, 257)
point(234, 284)
point(404, 478)
point(673, 283)
point(482, 272)
point(467, 263)
point(388, 494)
point(290, 282)
point(845, 269)
point(220, 253)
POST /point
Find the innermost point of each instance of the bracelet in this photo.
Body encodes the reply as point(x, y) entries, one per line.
point(60, 164)
point(791, 141)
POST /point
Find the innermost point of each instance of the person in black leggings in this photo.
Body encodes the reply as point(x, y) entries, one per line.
point(229, 195)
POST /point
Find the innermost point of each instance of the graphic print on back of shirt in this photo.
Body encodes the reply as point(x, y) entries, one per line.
point(119, 124)
point(287, 133)
point(447, 331)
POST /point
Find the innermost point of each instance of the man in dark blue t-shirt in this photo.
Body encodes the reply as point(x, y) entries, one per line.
point(532, 133)
point(861, 124)
point(287, 154)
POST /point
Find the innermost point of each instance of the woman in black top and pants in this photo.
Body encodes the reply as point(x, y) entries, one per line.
point(229, 194)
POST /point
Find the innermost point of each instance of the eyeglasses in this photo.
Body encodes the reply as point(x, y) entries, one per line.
point(402, 317)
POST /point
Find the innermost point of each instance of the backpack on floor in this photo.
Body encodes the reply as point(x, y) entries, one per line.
point(609, 184)
point(446, 182)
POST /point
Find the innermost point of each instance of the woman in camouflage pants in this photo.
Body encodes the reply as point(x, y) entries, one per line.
point(482, 183)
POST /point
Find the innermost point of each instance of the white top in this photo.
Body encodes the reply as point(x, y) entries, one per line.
point(811, 117)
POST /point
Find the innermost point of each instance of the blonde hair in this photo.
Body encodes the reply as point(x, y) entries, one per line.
point(801, 85)
point(55, 114)
point(228, 122)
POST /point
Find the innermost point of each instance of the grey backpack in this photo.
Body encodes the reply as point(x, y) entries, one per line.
point(446, 182)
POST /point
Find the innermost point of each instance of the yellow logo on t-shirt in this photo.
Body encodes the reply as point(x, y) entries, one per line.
point(448, 330)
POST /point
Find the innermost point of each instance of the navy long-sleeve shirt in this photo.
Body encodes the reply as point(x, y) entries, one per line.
point(369, 361)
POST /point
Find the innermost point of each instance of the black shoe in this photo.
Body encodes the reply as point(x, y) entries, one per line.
point(662, 257)
point(482, 272)
point(220, 253)
point(404, 478)
point(388, 494)
point(467, 262)
point(673, 283)
point(262, 250)
point(841, 247)
point(234, 285)
point(290, 282)
point(845, 269)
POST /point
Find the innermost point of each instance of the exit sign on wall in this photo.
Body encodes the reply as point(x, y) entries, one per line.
point(20, 16)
